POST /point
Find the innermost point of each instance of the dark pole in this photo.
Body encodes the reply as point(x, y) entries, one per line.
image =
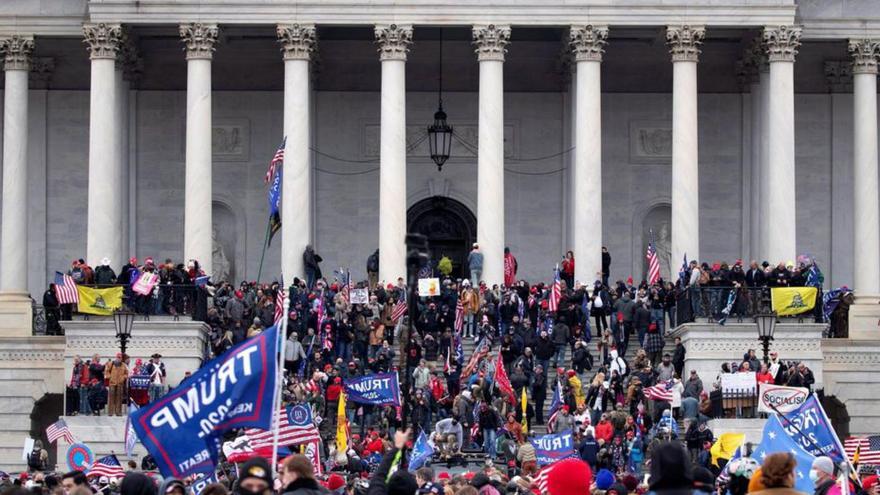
point(123, 340)
point(765, 343)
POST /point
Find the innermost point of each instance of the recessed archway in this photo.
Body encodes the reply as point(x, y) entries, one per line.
point(450, 227)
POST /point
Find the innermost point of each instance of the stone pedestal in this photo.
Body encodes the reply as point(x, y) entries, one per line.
point(864, 317)
point(709, 345)
point(852, 374)
point(16, 314)
point(105, 435)
point(752, 428)
point(182, 344)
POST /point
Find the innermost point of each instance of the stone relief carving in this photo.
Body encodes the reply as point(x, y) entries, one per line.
point(140, 343)
point(230, 140)
point(469, 133)
point(860, 358)
point(786, 346)
point(650, 141)
point(218, 258)
point(26, 355)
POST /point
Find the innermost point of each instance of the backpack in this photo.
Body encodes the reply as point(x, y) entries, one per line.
point(77, 275)
point(34, 460)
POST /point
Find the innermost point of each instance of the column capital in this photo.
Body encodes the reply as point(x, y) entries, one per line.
point(102, 39)
point(782, 42)
point(393, 40)
point(298, 41)
point(588, 42)
point(200, 39)
point(17, 52)
point(684, 42)
point(491, 41)
point(865, 53)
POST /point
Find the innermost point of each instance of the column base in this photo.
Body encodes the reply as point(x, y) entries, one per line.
point(864, 317)
point(16, 314)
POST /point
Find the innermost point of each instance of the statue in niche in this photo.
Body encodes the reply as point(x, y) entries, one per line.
point(663, 244)
point(219, 259)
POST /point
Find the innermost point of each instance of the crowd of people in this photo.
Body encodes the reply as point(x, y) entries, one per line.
point(584, 355)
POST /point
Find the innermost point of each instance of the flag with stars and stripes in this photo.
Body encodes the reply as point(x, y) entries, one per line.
point(868, 448)
point(59, 429)
point(555, 293)
point(399, 308)
point(459, 315)
point(776, 439)
point(555, 405)
point(279, 303)
point(653, 262)
point(277, 159)
point(107, 466)
point(296, 426)
point(661, 391)
point(65, 289)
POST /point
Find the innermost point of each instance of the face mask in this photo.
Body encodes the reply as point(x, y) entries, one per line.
point(244, 491)
point(814, 476)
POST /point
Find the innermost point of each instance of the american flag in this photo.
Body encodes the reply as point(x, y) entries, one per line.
point(503, 381)
point(555, 406)
point(65, 289)
point(399, 308)
point(474, 361)
point(661, 391)
point(279, 304)
point(313, 452)
point(347, 287)
point(58, 430)
point(555, 293)
point(869, 449)
point(278, 159)
point(107, 466)
point(459, 315)
point(653, 263)
point(288, 434)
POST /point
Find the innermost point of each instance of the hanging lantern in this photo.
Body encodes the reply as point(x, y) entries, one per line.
point(440, 138)
point(440, 133)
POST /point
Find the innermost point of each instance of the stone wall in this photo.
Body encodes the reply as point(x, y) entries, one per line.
point(636, 175)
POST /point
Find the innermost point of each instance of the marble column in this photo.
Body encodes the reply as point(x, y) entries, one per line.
point(491, 44)
point(866, 211)
point(104, 236)
point(297, 45)
point(587, 44)
point(14, 233)
point(684, 45)
point(197, 218)
point(764, 160)
point(782, 43)
point(394, 41)
point(757, 64)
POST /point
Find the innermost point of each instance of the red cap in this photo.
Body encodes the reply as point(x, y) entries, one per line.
point(569, 477)
point(571, 373)
point(869, 482)
point(629, 280)
point(443, 476)
point(335, 482)
point(389, 286)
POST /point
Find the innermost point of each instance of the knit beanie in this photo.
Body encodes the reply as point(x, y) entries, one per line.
point(604, 479)
point(569, 477)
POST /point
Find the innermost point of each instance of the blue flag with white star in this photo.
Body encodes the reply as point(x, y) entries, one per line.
point(421, 452)
point(776, 439)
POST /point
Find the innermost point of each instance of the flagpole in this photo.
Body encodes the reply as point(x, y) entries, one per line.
point(279, 381)
point(263, 255)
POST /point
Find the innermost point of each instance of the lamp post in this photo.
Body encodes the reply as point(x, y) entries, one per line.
point(123, 321)
point(766, 323)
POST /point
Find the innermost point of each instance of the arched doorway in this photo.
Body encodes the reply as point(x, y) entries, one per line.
point(450, 227)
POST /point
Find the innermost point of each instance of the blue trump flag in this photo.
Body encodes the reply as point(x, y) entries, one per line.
point(421, 452)
point(275, 205)
point(380, 389)
point(810, 428)
point(776, 439)
point(551, 448)
point(182, 429)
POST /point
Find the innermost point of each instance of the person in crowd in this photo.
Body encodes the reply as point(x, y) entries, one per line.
point(475, 265)
point(118, 374)
point(155, 369)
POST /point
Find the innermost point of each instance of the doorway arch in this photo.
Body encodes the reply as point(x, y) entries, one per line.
point(451, 229)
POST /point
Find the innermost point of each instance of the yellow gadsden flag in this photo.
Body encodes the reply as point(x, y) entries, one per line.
point(725, 446)
point(525, 405)
point(788, 301)
point(99, 301)
point(341, 426)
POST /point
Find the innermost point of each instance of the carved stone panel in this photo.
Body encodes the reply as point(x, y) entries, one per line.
point(231, 140)
point(650, 141)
